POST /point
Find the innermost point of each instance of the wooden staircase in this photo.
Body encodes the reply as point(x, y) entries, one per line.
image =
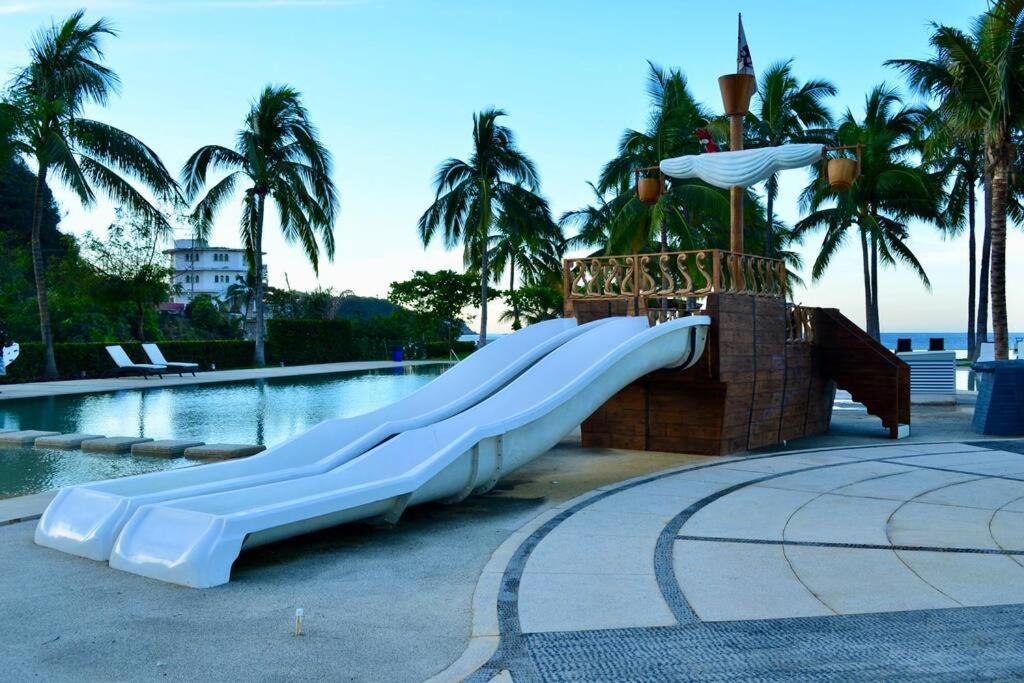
point(872, 374)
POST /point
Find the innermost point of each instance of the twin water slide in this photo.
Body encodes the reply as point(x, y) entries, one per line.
point(194, 540)
point(85, 520)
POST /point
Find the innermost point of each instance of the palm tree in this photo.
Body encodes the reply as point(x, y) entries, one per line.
point(691, 210)
point(472, 197)
point(65, 74)
point(891, 191)
point(786, 112)
point(529, 242)
point(978, 80)
point(242, 292)
point(959, 161)
point(278, 154)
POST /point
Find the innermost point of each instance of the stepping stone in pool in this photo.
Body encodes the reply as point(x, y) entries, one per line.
point(65, 441)
point(222, 451)
point(164, 448)
point(24, 437)
point(112, 444)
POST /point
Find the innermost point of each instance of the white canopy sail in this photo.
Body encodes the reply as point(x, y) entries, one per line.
point(743, 168)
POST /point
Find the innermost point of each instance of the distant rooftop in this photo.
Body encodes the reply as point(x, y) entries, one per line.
point(198, 245)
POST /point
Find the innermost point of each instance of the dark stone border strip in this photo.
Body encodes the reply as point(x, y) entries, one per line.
point(853, 546)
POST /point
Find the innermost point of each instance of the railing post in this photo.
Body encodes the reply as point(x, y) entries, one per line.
point(716, 271)
point(636, 285)
point(567, 307)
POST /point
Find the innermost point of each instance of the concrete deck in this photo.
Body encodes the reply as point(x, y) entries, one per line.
point(10, 392)
point(592, 565)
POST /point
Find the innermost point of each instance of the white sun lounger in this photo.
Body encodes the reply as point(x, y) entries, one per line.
point(157, 357)
point(125, 365)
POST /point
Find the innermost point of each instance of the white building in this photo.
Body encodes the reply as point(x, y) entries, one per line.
point(202, 269)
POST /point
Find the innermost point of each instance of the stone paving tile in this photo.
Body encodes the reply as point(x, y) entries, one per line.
point(940, 526)
point(903, 486)
point(1007, 529)
point(663, 500)
point(988, 494)
point(728, 581)
point(841, 519)
point(971, 580)
point(571, 549)
point(853, 581)
point(833, 478)
point(785, 463)
point(578, 602)
point(748, 513)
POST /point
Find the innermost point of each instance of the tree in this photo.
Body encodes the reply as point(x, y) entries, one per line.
point(529, 243)
point(891, 190)
point(978, 80)
point(129, 273)
point(47, 99)
point(959, 161)
point(787, 112)
point(279, 154)
point(535, 303)
point(241, 293)
point(474, 196)
point(691, 211)
point(439, 297)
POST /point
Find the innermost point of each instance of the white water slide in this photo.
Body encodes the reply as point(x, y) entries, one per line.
point(85, 520)
point(195, 541)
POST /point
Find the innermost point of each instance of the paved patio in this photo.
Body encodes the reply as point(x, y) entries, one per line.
point(10, 392)
point(893, 562)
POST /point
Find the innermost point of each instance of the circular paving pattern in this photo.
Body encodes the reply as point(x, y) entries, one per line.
point(895, 561)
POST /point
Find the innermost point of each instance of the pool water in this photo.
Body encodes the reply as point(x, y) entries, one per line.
point(264, 411)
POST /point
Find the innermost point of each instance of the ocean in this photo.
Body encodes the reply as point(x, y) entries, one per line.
point(955, 341)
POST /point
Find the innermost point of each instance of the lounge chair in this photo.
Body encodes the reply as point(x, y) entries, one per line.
point(986, 351)
point(125, 366)
point(156, 356)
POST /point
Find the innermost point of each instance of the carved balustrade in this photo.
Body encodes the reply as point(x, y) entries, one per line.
point(681, 275)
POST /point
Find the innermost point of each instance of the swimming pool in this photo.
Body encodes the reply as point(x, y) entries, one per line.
point(265, 411)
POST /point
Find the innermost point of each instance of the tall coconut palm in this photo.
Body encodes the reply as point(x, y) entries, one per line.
point(959, 161)
point(528, 243)
point(691, 211)
point(277, 154)
point(891, 191)
point(787, 112)
point(472, 197)
point(65, 74)
point(978, 79)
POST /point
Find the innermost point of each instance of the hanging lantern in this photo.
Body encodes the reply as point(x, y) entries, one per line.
point(841, 172)
point(649, 187)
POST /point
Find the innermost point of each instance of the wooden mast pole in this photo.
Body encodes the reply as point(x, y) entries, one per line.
point(736, 193)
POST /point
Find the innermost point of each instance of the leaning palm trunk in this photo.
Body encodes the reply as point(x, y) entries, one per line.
point(1000, 160)
point(865, 259)
point(259, 357)
point(38, 268)
point(516, 324)
point(986, 259)
point(773, 184)
point(971, 268)
point(875, 329)
point(484, 275)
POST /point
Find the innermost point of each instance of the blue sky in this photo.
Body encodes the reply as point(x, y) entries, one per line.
point(392, 84)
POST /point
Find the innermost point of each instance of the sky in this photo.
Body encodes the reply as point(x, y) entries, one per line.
point(393, 84)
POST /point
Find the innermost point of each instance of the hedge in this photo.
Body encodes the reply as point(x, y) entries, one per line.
point(292, 342)
point(90, 359)
point(440, 349)
point(302, 342)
